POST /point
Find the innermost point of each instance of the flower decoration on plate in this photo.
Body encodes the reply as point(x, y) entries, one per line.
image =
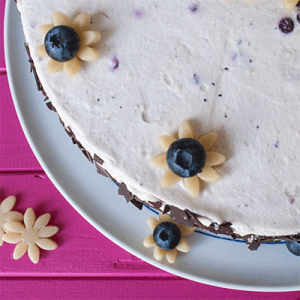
point(168, 238)
point(68, 43)
point(30, 237)
point(188, 158)
point(8, 215)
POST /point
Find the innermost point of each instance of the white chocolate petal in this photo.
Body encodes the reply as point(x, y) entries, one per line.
point(169, 179)
point(192, 185)
point(12, 238)
point(61, 19)
point(48, 231)
point(183, 246)
point(158, 253)
point(34, 253)
point(81, 22)
point(214, 158)
point(43, 29)
point(186, 130)
point(1, 235)
point(46, 244)
point(20, 250)
point(159, 161)
point(186, 230)
point(208, 140)
point(152, 223)
point(148, 241)
point(165, 218)
point(41, 51)
point(165, 141)
point(13, 216)
point(54, 66)
point(72, 67)
point(209, 175)
point(171, 256)
point(290, 4)
point(89, 38)
point(29, 218)
point(42, 221)
point(7, 204)
point(15, 227)
point(88, 54)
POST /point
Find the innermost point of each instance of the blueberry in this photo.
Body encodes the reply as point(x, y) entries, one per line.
point(186, 157)
point(167, 235)
point(62, 43)
point(298, 17)
point(286, 25)
point(293, 247)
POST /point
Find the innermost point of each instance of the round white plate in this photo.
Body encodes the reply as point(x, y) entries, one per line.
point(214, 261)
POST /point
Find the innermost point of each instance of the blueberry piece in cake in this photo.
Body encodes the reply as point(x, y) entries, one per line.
point(186, 157)
point(62, 43)
point(167, 235)
point(298, 17)
point(293, 247)
point(286, 25)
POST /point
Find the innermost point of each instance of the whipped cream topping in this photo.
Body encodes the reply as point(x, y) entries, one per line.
point(223, 66)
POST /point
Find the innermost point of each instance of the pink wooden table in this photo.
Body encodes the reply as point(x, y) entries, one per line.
point(86, 265)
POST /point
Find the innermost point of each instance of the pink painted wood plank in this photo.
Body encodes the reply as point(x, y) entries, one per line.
point(15, 153)
point(2, 62)
point(115, 288)
point(82, 250)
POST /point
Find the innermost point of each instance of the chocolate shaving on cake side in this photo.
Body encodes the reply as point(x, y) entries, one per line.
point(184, 217)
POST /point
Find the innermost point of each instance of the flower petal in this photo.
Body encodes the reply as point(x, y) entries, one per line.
point(290, 4)
point(214, 158)
point(41, 51)
point(183, 246)
point(165, 141)
point(169, 178)
point(12, 238)
point(158, 253)
point(171, 256)
point(72, 67)
point(192, 185)
point(152, 223)
point(89, 38)
point(48, 231)
point(186, 130)
point(29, 218)
point(209, 175)
point(7, 204)
point(81, 22)
point(13, 216)
point(34, 253)
point(54, 66)
point(165, 218)
point(46, 244)
point(208, 140)
point(61, 19)
point(186, 230)
point(20, 250)
point(1, 235)
point(88, 54)
point(159, 161)
point(15, 227)
point(45, 28)
point(149, 241)
point(42, 221)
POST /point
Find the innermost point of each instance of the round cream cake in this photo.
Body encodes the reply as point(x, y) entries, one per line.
point(230, 67)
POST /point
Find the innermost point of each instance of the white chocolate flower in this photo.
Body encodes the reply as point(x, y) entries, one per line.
point(159, 253)
point(30, 237)
point(88, 38)
point(7, 215)
point(208, 174)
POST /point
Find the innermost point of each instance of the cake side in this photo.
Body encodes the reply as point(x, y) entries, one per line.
point(228, 108)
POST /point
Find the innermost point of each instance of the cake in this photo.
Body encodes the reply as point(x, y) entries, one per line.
point(228, 69)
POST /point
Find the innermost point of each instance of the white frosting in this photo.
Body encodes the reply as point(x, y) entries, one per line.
point(169, 56)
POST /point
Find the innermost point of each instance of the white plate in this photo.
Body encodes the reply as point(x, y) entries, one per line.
point(219, 262)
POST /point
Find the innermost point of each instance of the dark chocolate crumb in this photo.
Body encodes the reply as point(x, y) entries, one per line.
point(292, 201)
point(120, 106)
point(225, 115)
point(257, 127)
point(98, 100)
point(220, 95)
point(250, 60)
point(276, 145)
point(226, 69)
point(212, 84)
point(205, 100)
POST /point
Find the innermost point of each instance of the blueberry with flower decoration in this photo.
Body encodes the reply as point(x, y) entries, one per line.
point(68, 43)
point(188, 158)
point(167, 237)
